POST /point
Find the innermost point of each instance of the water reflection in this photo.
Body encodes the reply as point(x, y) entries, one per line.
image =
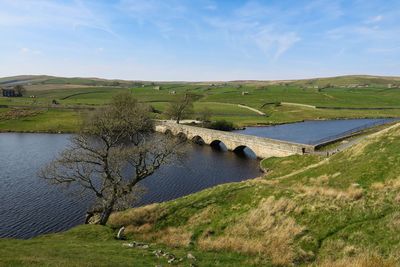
point(29, 206)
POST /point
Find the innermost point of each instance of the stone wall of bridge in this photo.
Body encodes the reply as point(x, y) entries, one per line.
point(262, 147)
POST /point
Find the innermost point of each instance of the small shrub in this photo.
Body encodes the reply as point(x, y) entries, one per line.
point(222, 125)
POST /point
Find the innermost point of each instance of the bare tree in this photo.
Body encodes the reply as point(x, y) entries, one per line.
point(19, 89)
point(115, 150)
point(180, 108)
point(205, 115)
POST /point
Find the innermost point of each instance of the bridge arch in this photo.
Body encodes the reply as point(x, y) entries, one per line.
point(245, 151)
point(219, 145)
point(181, 136)
point(263, 147)
point(168, 132)
point(197, 139)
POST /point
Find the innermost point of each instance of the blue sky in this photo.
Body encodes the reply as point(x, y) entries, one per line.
point(200, 39)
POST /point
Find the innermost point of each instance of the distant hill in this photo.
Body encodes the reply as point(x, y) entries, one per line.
point(351, 80)
point(34, 80)
point(45, 79)
point(45, 82)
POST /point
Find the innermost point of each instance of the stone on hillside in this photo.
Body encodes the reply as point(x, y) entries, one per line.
point(190, 256)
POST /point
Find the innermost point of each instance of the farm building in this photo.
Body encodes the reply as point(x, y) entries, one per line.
point(10, 92)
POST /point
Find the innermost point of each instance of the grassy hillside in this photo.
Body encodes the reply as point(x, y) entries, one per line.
point(337, 211)
point(281, 101)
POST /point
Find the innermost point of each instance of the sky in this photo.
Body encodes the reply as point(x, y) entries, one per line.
point(199, 40)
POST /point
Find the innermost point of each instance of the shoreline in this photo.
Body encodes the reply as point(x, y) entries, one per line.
point(239, 128)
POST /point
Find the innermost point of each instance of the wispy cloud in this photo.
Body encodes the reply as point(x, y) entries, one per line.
point(269, 41)
point(246, 38)
point(211, 7)
point(51, 14)
point(374, 19)
point(161, 14)
point(330, 9)
point(253, 26)
point(26, 50)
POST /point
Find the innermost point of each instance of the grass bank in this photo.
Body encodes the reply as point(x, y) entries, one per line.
point(308, 211)
point(48, 120)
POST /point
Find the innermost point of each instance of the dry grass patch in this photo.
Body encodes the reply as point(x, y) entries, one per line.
point(358, 149)
point(361, 260)
point(351, 194)
point(203, 217)
point(263, 181)
point(323, 179)
point(267, 230)
point(137, 217)
point(171, 236)
point(142, 229)
point(394, 222)
point(17, 113)
point(393, 184)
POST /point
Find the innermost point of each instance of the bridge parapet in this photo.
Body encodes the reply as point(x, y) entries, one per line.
point(262, 147)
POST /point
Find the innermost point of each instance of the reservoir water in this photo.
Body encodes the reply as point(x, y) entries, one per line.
point(313, 132)
point(30, 206)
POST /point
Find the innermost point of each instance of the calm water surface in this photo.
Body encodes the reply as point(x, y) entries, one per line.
point(313, 132)
point(29, 206)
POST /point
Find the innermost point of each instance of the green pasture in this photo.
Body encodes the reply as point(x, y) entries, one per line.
point(48, 120)
point(221, 99)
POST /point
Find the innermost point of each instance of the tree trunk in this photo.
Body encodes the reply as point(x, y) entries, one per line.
point(105, 214)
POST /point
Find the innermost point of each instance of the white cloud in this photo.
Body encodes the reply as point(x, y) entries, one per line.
point(374, 19)
point(244, 34)
point(271, 42)
point(26, 50)
point(211, 7)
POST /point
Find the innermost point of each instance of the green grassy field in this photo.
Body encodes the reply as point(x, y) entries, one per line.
point(90, 245)
point(306, 211)
point(221, 98)
point(46, 120)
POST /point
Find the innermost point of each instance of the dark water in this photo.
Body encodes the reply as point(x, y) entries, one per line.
point(313, 132)
point(29, 206)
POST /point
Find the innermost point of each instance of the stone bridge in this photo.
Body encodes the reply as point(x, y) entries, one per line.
point(262, 147)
